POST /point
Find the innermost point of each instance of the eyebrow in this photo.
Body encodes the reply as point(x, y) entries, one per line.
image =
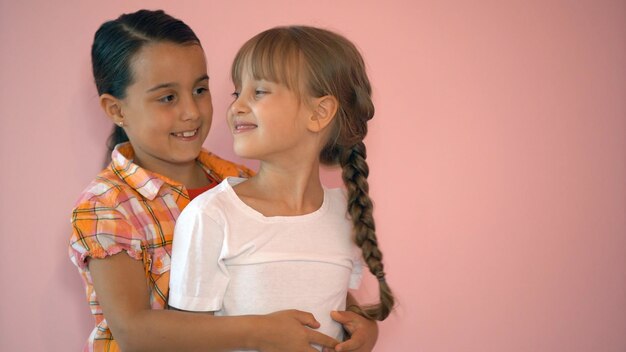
point(171, 84)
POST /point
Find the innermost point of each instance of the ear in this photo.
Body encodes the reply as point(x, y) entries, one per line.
point(112, 106)
point(324, 112)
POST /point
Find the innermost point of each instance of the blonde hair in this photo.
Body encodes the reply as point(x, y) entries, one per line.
point(318, 62)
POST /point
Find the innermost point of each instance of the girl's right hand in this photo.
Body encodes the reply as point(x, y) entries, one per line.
point(290, 331)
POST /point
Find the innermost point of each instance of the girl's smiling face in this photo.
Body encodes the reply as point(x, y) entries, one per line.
point(167, 109)
point(269, 120)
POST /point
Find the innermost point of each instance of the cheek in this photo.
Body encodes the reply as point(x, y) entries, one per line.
point(206, 108)
point(157, 124)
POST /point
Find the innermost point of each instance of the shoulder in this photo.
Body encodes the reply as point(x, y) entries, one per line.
point(215, 203)
point(222, 167)
point(337, 195)
point(216, 194)
point(105, 188)
point(101, 223)
point(202, 221)
point(109, 196)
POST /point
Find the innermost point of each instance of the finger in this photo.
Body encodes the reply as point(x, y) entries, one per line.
point(321, 339)
point(341, 317)
point(307, 319)
point(348, 345)
point(345, 318)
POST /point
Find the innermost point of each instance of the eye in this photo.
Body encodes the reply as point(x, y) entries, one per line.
point(260, 92)
point(167, 99)
point(235, 95)
point(200, 90)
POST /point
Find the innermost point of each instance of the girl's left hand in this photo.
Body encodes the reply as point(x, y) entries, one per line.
point(363, 332)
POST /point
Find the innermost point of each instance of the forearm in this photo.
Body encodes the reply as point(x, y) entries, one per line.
point(168, 330)
point(124, 297)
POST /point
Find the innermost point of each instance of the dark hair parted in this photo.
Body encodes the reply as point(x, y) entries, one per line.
point(319, 62)
point(116, 43)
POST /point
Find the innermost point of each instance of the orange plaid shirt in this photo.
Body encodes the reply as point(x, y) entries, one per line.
point(127, 208)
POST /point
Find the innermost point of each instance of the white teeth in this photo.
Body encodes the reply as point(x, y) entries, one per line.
point(244, 126)
point(186, 134)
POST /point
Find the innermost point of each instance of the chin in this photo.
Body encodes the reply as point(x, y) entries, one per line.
point(187, 156)
point(245, 153)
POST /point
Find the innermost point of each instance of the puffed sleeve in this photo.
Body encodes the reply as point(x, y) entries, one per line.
point(198, 275)
point(99, 231)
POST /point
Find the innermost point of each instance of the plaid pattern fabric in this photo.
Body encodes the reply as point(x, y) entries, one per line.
point(127, 208)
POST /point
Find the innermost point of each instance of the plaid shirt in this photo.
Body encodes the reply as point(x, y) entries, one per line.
point(127, 208)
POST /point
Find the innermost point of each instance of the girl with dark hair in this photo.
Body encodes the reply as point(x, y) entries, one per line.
point(150, 72)
point(280, 239)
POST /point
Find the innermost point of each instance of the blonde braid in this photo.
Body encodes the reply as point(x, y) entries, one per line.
point(360, 208)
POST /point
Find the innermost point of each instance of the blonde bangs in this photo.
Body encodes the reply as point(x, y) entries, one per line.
point(271, 56)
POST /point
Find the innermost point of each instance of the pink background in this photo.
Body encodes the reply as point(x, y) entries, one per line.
point(498, 158)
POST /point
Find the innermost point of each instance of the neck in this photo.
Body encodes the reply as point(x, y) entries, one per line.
point(290, 189)
point(190, 174)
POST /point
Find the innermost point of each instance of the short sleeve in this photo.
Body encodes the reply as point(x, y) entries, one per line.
point(198, 275)
point(99, 231)
point(357, 271)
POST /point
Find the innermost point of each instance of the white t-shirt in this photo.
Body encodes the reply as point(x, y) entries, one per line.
point(231, 259)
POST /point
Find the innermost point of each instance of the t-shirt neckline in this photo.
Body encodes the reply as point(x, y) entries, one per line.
point(230, 182)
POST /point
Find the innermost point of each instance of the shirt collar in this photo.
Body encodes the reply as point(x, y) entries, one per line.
point(143, 181)
point(149, 183)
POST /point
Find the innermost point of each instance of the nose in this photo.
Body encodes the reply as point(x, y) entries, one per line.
point(239, 106)
point(191, 111)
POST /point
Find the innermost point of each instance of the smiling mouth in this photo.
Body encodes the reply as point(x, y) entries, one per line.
point(244, 126)
point(186, 134)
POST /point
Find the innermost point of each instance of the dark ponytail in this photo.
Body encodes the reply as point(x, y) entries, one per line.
point(117, 136)
point(115, 44)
